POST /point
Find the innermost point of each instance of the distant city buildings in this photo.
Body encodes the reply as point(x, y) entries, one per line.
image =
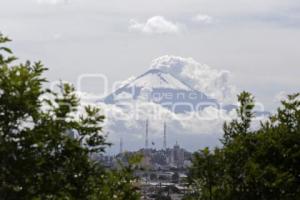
point(163, 159)
point(177, 156)
point(161, 173)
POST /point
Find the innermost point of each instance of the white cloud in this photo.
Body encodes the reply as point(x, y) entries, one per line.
point(283, 96)
point(129, 123)
point(194, 130)
point(206, 19)
point(280, 96)
point(212, 82)
point(154, 25)
point(128, 120)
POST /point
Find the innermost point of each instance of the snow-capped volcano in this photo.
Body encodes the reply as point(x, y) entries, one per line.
point(169, 92)
point(155, 78)
point(164, 89)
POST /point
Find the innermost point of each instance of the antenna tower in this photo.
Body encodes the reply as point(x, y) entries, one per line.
point(165, 135)
point(146, 136)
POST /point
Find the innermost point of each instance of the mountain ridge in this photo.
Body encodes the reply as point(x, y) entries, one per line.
point(159, 73)
point(162, 88)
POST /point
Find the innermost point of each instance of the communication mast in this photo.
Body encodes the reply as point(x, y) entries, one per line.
point(165, 136)
point(146, 136)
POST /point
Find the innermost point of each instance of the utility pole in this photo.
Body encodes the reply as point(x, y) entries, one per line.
point(146, 136)
point(165, 136)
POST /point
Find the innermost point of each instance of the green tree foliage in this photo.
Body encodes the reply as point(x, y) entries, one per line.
point(39, 159)
point(262, 164)
point(121, 184)
point(209, 181)
point(241, 125)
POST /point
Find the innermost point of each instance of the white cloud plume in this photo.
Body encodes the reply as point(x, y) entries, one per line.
point(194, 129)
point(212, 82)
point(283, 96)
point(280, 96)
point(129, 123)
point(205, 127)
point(206, 19)
point(154, 25)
